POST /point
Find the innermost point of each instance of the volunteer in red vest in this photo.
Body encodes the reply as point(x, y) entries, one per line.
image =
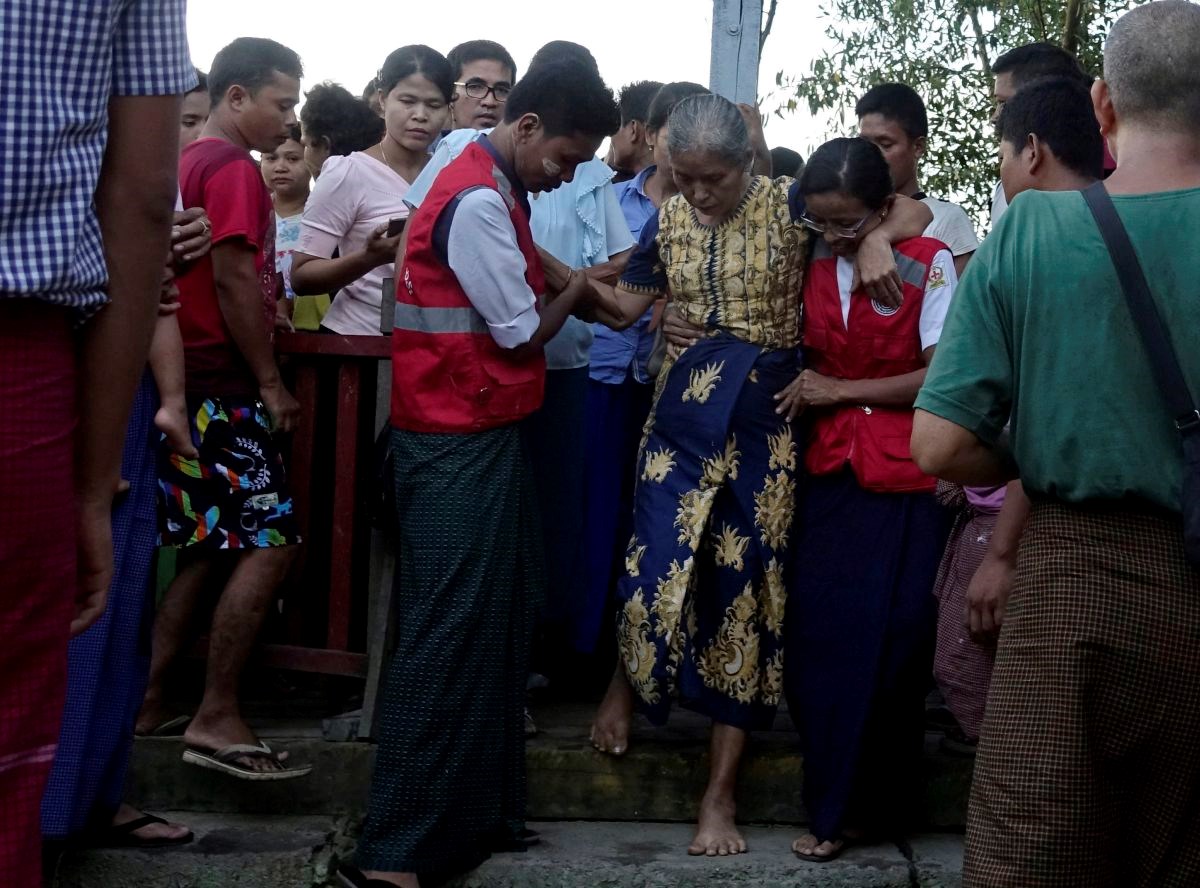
point(861, 614)
point(468, 368)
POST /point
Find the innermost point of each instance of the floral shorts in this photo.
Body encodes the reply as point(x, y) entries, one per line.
point(235, 495)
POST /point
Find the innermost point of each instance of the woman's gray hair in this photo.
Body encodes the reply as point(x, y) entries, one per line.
point(712, 124)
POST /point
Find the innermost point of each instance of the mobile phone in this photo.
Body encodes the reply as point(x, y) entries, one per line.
point(395, 226)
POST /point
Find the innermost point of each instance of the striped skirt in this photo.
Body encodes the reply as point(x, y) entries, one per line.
point(1088, 771)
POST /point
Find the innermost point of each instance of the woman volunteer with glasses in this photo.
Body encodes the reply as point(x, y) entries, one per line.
point(702, 598)
point(861, 614)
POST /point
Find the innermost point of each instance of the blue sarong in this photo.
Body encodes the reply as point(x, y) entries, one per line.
point(702, 598)
point(108, 664)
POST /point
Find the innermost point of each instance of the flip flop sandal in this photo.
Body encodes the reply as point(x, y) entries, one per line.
point(172, 727)
point(225, 760)
point(352, 877)
point(519, 844)
point(824, 858)
point(122, 835)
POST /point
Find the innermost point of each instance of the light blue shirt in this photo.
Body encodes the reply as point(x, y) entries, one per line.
point(618, 354)
point(580, 223)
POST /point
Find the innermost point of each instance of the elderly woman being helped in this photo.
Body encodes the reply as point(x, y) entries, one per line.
point(702, 598)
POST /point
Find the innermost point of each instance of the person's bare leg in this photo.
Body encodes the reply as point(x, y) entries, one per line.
point(716, 831)
point(166, 363)
point(150, 832)
point(171, 632)
point(610, 729)
point(404, 880)
point(236, 623)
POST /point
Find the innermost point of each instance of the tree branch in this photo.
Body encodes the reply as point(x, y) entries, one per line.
point(980, 42)
point(766, 31)
point(1072, 16)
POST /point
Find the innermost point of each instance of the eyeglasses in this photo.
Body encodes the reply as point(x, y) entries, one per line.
point(839, 230)
point(478, 89)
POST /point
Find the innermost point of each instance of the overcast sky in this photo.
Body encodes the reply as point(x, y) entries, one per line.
point(347, 40)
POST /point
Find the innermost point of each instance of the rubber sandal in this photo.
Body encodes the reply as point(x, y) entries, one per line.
point(352, 877)
point(824, 858)
point(122, 835)
point(172, 727)
point(225, 760)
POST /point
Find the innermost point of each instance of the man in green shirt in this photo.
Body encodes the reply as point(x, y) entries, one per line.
point(1089, 767)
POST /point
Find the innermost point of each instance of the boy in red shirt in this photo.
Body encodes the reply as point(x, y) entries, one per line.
point(234, 496)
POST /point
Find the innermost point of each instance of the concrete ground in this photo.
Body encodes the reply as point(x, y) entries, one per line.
point(300, 852)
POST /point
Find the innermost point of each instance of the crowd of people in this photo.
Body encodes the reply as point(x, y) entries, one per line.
point(788, 430)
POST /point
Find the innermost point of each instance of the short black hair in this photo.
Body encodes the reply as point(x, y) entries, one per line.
point(250, 62)
point(1036, 60)
point(897, 102)
point(635, 98)
point(1058, 110)
point(562, 51)
point(331, 112)
point(569, 97)
point(477, 50)
point(851, 166)
point(201, 83)
point(416, 59)
point(786, 162)
point(667, 98)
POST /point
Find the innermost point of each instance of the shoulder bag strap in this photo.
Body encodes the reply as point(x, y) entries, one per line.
point(1146, 317)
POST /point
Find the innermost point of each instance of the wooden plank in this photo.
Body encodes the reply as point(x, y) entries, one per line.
point(303, 659)
point(342, 542)
point(380, 620)
point(334, 345)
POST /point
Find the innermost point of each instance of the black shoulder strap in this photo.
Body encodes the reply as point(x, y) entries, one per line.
point(1146, 317)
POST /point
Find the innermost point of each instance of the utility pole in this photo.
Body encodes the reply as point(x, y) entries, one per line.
point(735, 49)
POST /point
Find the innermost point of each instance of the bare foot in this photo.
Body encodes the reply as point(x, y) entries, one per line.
point(717, 834)
point(610, 730)
point(404, 880)
point(808, 846)
point(172, 421)
point(211, 733)
point(151, 832)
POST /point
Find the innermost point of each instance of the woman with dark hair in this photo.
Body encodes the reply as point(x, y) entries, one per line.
point(861, 614)
point(360, 196)
point(336, 123)
point(702, 599)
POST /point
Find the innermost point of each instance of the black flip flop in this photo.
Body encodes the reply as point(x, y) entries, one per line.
point(352, 877)
point(122, 835)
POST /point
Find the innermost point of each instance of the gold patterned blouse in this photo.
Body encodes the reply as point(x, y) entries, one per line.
point(743, 276)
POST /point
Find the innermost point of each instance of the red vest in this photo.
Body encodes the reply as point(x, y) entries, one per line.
point(881, 342)
point(448, 374)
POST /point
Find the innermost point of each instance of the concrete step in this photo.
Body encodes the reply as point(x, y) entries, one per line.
point(661, 778)
point(300, 852)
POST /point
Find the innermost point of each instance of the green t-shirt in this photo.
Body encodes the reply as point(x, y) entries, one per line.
point(1039, 334)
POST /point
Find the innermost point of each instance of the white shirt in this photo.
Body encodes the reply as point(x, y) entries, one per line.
point(952, 226)
point(939, 290)
point(482, 251)
point(354, 196)
point(999, 203)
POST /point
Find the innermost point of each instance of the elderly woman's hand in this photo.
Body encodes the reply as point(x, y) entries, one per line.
point(679, 333)
point(808, 389)
point(875, 270)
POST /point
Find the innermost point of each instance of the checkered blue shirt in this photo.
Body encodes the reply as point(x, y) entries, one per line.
point(60, 62)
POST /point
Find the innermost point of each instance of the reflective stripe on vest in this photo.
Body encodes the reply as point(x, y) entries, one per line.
point(424, 319)
point(912, 271)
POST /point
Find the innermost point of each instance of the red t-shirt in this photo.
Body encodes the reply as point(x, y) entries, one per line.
point(224, 180)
